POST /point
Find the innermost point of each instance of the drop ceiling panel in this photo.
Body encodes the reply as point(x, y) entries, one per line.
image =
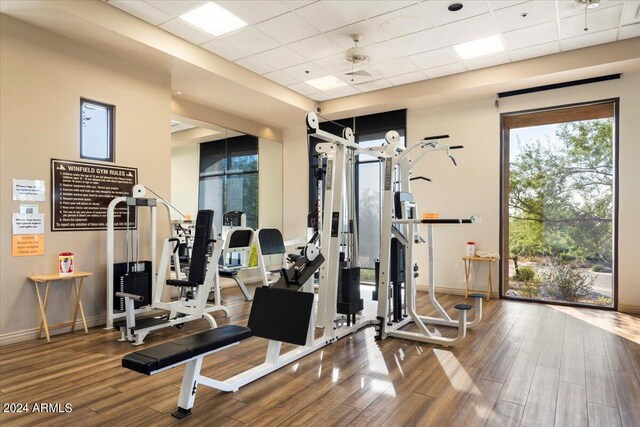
point(222, 49)
point(571, 7)
point(407, 78)
point(445, 70)
point(371, 8)
point(374, 85)
point(303, 88)
point(182, 29)
point(630, 13)
point(287, 28)
point(334, 64)
point(629, 31)
point(382, 52)
point(176, 7)
point(597, 20)
point(469, 29)
point(254, 11)
point(435, 58)
point(402, 21)
point(530, 36)
point(250, 40)
point(296, 4)
point(486, 61)
point(589, 39)
point(440, 15)
point(394, 68)
point(535, 51)
point(326, 16)
point(316, 47)
point(342, 91)
point(368, 34)
point(142, 10)
point(525, 15)
point(280, 57)
point(500, 4)
point(281, 78)
point(422, 41)
point(306, 71)
point(255, 65)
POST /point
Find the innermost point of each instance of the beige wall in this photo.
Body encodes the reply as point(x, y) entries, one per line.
point(42, 77)
point(473, 186)
point(185, 161)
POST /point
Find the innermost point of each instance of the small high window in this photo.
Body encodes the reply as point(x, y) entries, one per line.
point(96, 130)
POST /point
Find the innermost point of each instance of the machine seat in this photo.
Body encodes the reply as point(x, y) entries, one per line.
point(182, 283)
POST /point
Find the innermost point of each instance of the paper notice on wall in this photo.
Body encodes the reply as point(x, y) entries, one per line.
point(27, 245)
point(28, 223)
point(29, 209)
point(28, 190)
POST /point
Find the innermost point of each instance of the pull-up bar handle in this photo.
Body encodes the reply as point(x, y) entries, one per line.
point(456, 147)
point(431, 138)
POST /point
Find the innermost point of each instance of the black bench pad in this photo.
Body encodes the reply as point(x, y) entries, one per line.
point(175, 282)
point(228, 273)
point(151, 359)
point(464, 307)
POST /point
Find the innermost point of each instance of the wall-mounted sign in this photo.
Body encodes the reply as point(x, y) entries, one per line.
point(82, 192)
point(28, 223)
point(28, 190)
point(27, 245)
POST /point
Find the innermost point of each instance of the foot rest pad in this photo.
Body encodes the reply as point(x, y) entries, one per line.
point(464, 307)
point(477, 296)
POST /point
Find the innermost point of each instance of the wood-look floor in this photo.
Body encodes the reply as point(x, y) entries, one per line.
point(526, 364)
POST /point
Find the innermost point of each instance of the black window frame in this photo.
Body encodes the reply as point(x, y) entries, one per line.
point(111, 129)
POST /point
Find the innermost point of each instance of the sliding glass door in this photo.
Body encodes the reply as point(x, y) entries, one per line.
point(559, 204)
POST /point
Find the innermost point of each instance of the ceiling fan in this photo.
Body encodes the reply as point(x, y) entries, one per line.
point(358, 60)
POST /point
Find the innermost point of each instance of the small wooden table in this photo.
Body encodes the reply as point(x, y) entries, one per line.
point(467, 271)
point(77, 286)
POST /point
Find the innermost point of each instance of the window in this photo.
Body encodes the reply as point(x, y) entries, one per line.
point(559, 204)
point(96, 130)
point(229, 178)
point(369, 131)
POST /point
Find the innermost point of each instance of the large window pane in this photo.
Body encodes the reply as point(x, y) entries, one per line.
point(96, 133)
point(213, 158)
point(242, 195)
point(211, 196)
point(242, 154)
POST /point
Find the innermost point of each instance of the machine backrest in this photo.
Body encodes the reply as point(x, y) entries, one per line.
point(203, 234)
point(239, 238)
point(398, 198)
point(271, 241)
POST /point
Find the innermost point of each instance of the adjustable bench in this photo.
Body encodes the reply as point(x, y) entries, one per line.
point(187, 350)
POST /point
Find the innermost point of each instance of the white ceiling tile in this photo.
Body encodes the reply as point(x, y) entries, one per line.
point(525, 15)
point(280, 77)
point(334, 64)
point(328, 15)
point(303, 88)
point(589, 39)
point(382, 52)
point(182, 29)
point(280, 57)
point(368, 32)
point(296, 4)
point(250, 40)
point(403, 21)
point(407, 78)
point(253, 11)
point(142, 10)
point(445, 70)
point(176, 7)
point(422, 41)
point(306, 71)
point(355, 80)
point(255, 65)
point(499, 4)
point(394, 68)
point(486, 61)
point(530, 36)
point(222, 49)
point(316, 47)
point(570, 7)
point(319, 96)
point(630, 13)
point(535, 51)
point(598, 20)
point(342, 91)
point(440, 15)
point(469, 29)
point(287, 28)
point(629, 31)
point(374, 85)
point(371, 8)
point(435, 58)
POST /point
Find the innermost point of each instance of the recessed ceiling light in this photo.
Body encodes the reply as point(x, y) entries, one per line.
point(213, 19)
point(480, 47)
point(326, 83)
point(454, 7)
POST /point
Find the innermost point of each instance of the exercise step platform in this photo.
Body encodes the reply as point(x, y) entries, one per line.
point(174, 352)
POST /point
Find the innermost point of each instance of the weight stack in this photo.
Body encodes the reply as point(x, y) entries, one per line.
point(349, 301)
point(134, 282)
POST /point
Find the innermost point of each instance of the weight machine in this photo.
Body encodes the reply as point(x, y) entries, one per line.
point(399, 234)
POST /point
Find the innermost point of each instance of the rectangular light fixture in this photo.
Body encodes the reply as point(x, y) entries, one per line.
point(213, 19)
point(480, 47)
point(326, 83)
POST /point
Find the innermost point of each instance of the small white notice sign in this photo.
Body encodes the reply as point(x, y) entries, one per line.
point(28, 223)
point(28, 190)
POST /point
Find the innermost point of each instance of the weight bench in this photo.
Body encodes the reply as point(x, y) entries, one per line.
point(187, 350)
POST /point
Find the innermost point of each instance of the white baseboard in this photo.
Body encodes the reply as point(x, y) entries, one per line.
point(31, 334)
point(628, 309)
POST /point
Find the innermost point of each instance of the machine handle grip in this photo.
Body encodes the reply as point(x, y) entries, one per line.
point(424, 178)
point(456, 147)
point(446, 221)
point(130, 296)
point(431, 138)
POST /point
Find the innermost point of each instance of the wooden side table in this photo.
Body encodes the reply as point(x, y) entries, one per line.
point(467, 272)
point(77, 286)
